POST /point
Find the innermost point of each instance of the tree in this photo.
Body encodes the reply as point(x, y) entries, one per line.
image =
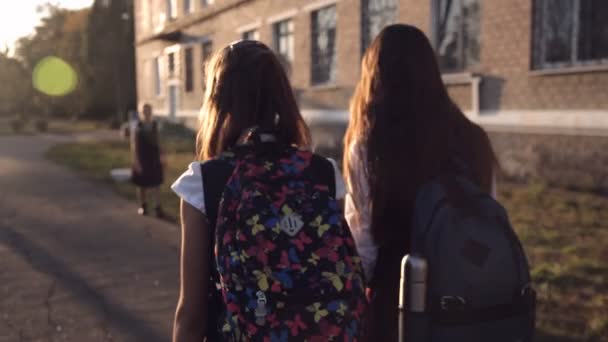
point(61, 33)
point(111, 55)
point(14, 85)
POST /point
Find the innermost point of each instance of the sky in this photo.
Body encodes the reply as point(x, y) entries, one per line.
point(20, 18)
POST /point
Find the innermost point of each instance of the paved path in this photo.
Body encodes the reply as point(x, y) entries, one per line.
point(76, 263)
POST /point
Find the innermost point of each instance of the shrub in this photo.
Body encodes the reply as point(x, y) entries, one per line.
point(17, 125)
point(42, 125)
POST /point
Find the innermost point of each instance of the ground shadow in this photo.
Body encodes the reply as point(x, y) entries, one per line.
point(116, 315)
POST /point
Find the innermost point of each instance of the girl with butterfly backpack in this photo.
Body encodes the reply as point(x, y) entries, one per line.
point(266, 254)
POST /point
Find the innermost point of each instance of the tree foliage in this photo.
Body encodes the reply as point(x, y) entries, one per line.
point(96, 42)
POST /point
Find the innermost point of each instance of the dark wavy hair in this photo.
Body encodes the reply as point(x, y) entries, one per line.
point(406, 123)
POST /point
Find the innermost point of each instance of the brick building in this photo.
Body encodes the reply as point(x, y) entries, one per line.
point(526, 66)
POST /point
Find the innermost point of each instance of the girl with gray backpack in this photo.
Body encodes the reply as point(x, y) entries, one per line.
point(420, 178)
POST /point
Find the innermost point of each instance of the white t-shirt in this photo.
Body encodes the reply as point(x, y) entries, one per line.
point(189, 186)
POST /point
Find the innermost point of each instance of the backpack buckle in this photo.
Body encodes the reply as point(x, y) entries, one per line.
point(260, 310)
point(452, 303)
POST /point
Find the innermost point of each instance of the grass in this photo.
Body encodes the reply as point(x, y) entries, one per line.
point(96, 159)
point(565, 234)
point(55, 126)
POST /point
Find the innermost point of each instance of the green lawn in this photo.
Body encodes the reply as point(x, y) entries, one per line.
point(566, 237)
point(54, 127)
point(96, 159)
point(565, 234)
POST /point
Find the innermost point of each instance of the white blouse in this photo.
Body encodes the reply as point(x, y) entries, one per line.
point(189, 186)
point(357, 210)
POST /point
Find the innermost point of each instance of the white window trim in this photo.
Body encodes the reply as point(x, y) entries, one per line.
point(249, 27)
point(172, 49)
point(158, 62)
point(289, 14)
point(319, 5)
point(174, 9)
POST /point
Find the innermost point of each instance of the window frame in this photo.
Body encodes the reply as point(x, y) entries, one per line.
point(171, 65)
point(158, 76)
point(463, 66)
point(188, 69)
point(538, 63)
point(332, 72)
point(172, 9)
point(253, 34)
point(289, 35)
point(366, 20)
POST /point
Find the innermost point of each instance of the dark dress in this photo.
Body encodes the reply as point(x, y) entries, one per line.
point(148, 154)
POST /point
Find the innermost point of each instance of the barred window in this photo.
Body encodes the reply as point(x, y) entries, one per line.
point(284, 41)
point(376, 14)
point(189, 70)
point(171, 64)
point(251, 35)
point(323, 41)
point(456, 33)
point(570, 33)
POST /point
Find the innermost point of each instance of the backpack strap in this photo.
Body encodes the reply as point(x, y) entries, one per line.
point(454, 310)
point(215, 175)
point(324, 172)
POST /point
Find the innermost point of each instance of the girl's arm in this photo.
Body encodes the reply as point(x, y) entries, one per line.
point(191, 314)
point(358, 211)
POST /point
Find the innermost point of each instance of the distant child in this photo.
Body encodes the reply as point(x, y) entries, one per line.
point(284, 260)
point(147, 162)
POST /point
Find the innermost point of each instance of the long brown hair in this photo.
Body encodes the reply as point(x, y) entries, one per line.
point(246, 86)
point(405, 123)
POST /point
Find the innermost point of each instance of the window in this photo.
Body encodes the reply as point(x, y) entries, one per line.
point(171, 64)
point(570, 33)
point(375, 15)
point(172, 9)
point(158, 87)
point(188, 8)
point(206, 52)
point(189, 70)
point(284, 41)
point(456, 33)
point(251, 35)
point(323, 49)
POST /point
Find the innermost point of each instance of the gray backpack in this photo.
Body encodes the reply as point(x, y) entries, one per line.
point(478, 283)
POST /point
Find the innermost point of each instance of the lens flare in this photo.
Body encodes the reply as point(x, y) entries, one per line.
point(54, 77)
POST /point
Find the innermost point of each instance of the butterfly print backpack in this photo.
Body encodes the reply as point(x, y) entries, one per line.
point(286, 260)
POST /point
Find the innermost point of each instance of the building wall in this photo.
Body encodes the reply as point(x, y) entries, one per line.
point(509, 94)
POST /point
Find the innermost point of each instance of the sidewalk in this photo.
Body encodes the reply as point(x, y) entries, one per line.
point(76, 263)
